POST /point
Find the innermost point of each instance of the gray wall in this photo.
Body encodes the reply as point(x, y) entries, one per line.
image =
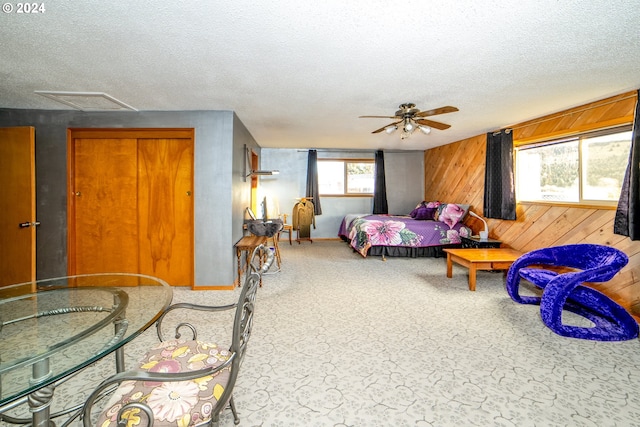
point(241, 195)
point(404, 178)
point(220, 193)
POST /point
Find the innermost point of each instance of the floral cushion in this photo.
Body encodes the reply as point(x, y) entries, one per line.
point(180, 403)
point(451, 213)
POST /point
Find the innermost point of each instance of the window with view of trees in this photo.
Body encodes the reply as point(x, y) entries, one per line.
point(345, 177)
point(585, 169)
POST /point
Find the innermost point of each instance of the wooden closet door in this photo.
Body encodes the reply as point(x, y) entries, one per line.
point(131, 203)
point(104, 196)
point(165, 208)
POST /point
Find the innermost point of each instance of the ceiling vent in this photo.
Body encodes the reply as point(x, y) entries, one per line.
point(87, 101)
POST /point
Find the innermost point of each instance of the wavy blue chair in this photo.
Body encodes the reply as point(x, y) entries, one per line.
point(565, 291)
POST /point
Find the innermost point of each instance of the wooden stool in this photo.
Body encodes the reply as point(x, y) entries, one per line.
point(248, 244)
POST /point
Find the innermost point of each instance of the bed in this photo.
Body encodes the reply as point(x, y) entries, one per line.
point(429, 228)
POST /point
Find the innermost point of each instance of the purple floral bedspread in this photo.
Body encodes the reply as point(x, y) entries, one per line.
point(362, 232)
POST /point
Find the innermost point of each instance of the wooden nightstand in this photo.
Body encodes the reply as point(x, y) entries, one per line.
point(475, 242)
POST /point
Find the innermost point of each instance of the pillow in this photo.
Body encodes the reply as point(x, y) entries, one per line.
point(451, 213)
point(415, 210)
point(423, 213)
point(425, 210)
point(466, 210)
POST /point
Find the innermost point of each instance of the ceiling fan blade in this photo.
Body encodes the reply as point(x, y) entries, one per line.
point(386, 126)
point(431, 123)
point(377, 117)
point(436, 111)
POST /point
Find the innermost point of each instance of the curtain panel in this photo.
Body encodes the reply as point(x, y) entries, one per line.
point(380, 187)
point(627, 220)
point(313, 191)
point(499, 182)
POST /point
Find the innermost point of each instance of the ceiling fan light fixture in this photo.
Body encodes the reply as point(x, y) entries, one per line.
point(391, 129)
point(412, 119)
point(408, 126)
point(425, 129)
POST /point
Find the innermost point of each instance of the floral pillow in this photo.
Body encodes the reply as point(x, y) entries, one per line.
point(451, 213)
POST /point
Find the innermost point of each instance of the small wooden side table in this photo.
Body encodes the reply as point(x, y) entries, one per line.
point(248, 244)
point(480, 259)
point(476, 242)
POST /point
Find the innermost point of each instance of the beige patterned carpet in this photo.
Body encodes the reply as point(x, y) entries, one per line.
point(344, 341)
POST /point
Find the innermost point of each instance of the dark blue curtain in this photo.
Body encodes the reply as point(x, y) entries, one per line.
point(313, 192)
point(380, 186)
point(627, 221)
point(499, 184)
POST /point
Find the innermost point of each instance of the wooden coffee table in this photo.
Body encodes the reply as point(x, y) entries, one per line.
point(480, 259)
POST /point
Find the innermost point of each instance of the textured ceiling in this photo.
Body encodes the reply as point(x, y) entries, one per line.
point(299, 73)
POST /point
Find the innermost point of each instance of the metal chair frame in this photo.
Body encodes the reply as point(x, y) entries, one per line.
point(242, 328)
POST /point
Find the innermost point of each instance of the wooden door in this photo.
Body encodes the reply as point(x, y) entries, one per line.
point(17, 205)
point(104, 206)
point(131, 204)
point(165, 208)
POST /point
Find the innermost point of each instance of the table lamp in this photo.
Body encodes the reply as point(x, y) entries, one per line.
point(484, 235)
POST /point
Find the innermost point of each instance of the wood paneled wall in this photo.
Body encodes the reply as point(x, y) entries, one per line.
point(455, 173)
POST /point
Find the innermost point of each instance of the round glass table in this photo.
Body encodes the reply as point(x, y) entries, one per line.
point(50, 329)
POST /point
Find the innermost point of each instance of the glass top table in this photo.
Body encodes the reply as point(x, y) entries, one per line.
point(49, 329)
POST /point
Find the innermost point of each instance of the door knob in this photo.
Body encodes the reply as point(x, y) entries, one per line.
point(28, 224)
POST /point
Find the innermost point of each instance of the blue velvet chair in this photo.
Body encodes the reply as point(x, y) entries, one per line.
point(565, 291)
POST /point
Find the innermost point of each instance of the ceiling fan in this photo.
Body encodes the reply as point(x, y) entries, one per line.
point(412, 119)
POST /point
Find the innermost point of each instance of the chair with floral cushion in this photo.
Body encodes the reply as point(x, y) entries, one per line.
point(562, 290)
point(184, 382)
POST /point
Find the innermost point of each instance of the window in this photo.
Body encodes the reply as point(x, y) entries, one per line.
point(340, 177)
point(586, 169)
